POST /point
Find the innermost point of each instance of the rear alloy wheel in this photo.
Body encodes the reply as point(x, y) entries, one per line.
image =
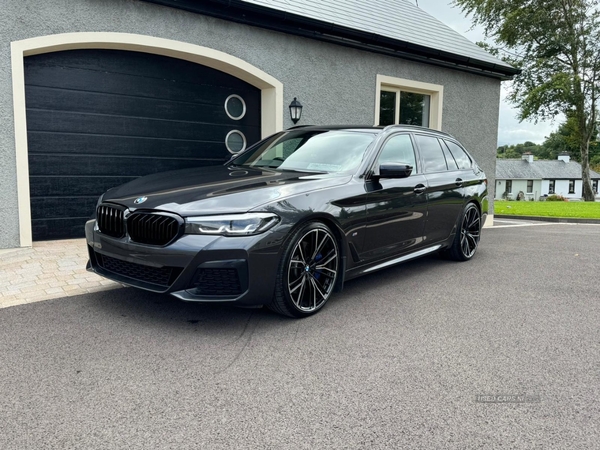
point(307, 272)
point(467, 237)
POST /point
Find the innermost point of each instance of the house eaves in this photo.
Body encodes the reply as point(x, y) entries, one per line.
point(395, 28)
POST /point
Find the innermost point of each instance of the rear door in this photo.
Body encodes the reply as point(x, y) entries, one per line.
point(445, 191)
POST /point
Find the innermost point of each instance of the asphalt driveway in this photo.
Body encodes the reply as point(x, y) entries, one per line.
point(410, 357)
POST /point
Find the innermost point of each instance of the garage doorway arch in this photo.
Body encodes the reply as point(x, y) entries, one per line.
point(271, 89)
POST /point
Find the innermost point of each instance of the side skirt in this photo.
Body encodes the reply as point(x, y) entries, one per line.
point(378, 266)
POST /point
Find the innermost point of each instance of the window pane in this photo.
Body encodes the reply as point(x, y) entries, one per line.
point(235, 141)
point(398, 149)
point(309, 150)
point(571, 186)
point(461, 157)
point(321, 152)
point(414, 109)
point(509, 186)
point(387, 108)
point(529, 186)
point(449, 158)
point(551, 187)
point(431, 153)
point(283, 149)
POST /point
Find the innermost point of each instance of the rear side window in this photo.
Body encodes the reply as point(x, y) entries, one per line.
point(460, 156)
point(449, 158)
point(431, 153)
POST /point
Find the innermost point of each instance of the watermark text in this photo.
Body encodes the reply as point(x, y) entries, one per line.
point(507, 398)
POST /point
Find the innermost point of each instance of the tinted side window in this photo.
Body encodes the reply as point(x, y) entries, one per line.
point(462, 159)
point(398, 149)
point(432, 154)
point(449, 158)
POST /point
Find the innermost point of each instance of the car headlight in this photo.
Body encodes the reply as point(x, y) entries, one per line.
point(231, 224)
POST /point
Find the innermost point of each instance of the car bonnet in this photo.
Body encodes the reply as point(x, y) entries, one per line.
point(217, 189)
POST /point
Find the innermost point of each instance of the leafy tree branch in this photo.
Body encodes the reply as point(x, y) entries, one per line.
point(556, 44)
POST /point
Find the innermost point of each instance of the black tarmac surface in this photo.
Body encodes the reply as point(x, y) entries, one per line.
point(397, 360)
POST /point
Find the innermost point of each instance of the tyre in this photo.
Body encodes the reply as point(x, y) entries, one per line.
point(308, 271)
point(467, 236)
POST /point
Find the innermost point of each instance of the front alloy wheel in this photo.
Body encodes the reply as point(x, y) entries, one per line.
point(308, 271)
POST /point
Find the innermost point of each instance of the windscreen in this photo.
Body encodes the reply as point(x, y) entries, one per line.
point(309, 151)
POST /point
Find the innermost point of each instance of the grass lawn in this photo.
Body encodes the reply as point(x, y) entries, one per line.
point(581, 210)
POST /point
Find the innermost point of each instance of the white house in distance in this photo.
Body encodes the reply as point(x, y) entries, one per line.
point(540, 178)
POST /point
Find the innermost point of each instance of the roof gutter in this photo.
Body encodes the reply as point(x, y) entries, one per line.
point(281, 21)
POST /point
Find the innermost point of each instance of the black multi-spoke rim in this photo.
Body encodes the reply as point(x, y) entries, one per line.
point(469, 233)
point(313, 270)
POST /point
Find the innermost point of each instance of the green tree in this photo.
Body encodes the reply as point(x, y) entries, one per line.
point(556, 44)
point(564, 139)
point(595, 155)
point(507, 152)
point(541, 152)
point(595, 163)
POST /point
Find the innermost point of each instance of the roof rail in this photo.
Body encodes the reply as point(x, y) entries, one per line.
point(415, 127)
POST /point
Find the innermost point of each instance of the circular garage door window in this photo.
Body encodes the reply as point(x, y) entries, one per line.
point(235, 107)
point(235, 141)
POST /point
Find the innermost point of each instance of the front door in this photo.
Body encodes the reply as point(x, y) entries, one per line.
point(397, 208)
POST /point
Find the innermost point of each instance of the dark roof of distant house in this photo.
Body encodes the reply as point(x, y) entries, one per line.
point(516, 169)
point(393, 27)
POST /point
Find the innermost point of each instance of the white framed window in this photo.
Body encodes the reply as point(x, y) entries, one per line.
point(402, 101)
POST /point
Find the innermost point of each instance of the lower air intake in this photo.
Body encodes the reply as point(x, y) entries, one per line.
point(162, 276)
point(218, 281)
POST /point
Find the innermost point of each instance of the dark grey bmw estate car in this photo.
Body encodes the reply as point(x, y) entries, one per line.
point(287, 221)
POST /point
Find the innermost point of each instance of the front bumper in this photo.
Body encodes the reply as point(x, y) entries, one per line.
point(239, 270)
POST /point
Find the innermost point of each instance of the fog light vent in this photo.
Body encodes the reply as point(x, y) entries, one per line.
point(217, 281)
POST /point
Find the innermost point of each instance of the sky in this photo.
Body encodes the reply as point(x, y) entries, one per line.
point(510, 130)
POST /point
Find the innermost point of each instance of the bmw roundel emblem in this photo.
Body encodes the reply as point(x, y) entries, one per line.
point(139, 200)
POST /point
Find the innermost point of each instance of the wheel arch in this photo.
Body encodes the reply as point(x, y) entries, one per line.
point(340, 237)
point(456, 227)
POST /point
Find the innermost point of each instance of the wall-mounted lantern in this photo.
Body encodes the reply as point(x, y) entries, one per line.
point(295, 110)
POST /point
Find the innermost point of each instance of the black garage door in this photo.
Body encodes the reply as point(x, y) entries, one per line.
point(100, 118)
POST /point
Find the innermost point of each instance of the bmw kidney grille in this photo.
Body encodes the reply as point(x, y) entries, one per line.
point(142, 227)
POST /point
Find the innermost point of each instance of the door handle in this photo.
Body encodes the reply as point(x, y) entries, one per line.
point(459, 182)
point(419, 189)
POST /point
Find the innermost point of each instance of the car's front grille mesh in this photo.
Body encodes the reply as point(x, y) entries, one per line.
point(218, 281)
point(110, 221)
point(142, 227)
point(162, 276)
point(153, 229)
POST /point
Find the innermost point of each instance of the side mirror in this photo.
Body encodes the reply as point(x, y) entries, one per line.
point(395, 170)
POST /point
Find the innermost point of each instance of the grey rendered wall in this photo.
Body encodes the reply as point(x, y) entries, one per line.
point(334, 83)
